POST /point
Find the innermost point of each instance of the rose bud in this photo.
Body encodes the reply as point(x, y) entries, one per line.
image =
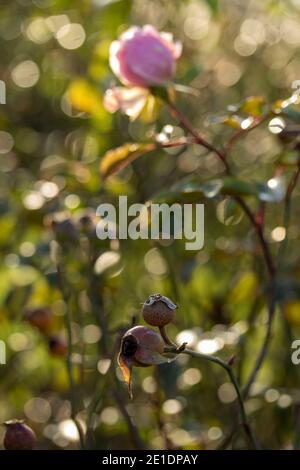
point(18, 436)
point(158, 310)
point(144, 57)
point(39, 317)
point(65, 231)
point(140, 347)
point(58, 346)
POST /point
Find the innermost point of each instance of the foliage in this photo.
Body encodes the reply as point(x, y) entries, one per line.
point(226, 134)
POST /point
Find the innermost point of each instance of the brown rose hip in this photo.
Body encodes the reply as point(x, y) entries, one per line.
point(140, 347)
point(39, 317)
point(158, 310)
point(58, 346)
point(18, 436)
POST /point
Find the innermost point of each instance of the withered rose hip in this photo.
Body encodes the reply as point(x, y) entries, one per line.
point(18, 436)
point(158, 310)
point(140, 347)
point(39, 317)
point(58, 346)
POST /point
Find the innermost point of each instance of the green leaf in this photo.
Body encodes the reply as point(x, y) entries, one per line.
point(192, 192)
point(178, 196)
point(233, 186)
point(214, 5)
point(292, 113)
point(288, 158)
point(161, 92)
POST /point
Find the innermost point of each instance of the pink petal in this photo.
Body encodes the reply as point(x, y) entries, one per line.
point(129, 100)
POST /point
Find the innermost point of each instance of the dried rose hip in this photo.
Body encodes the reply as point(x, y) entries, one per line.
point(158, 310)
point(58, 346)
point(140, 347)
point(18, 436)
point(39, 317)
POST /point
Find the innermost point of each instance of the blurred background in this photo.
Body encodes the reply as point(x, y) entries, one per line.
point(53, 133)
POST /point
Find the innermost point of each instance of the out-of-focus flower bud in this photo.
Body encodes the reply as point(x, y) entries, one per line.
point(39, 317)
point(18, 436)
point(58, 346)
point(144, 57)
point(158, 310)
point(140, 347)
point(87, 222)
point(65, 231)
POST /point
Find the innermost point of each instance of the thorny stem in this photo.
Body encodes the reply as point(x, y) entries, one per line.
point(260, 234)
point(240, 133)
point(248, 431)
point(222, 154)
point(198, 139)
point(65, 296)
point(272, 295)
point(258, 227)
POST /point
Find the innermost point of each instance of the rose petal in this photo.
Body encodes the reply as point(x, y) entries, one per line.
point(144, 57)
point(130, 101)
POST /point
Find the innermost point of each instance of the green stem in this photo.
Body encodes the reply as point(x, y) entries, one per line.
point(287, 212)
point(268, 258)
point(68, 319)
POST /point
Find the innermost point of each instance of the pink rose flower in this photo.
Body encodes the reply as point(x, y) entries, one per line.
point(144, 57)
point(129, 101)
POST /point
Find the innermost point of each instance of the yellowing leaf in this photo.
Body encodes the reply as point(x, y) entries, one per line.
point(291, 311)
point(151, 109)
point(84, 97)
point(233, 121)
point(116, 159)
point(253, 105)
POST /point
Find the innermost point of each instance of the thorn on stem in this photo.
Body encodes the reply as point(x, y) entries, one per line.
point(181, 348)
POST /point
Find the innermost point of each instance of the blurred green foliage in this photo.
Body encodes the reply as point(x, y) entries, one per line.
point(54, 132)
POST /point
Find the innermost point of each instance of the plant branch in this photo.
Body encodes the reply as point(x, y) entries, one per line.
point(264, 348)
point(67, 317)
point(287, 210)
point(222, 156)
point(258, 227)
point(133, 431)
point(241, 132)
point(198, 138)
point(248, 431)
